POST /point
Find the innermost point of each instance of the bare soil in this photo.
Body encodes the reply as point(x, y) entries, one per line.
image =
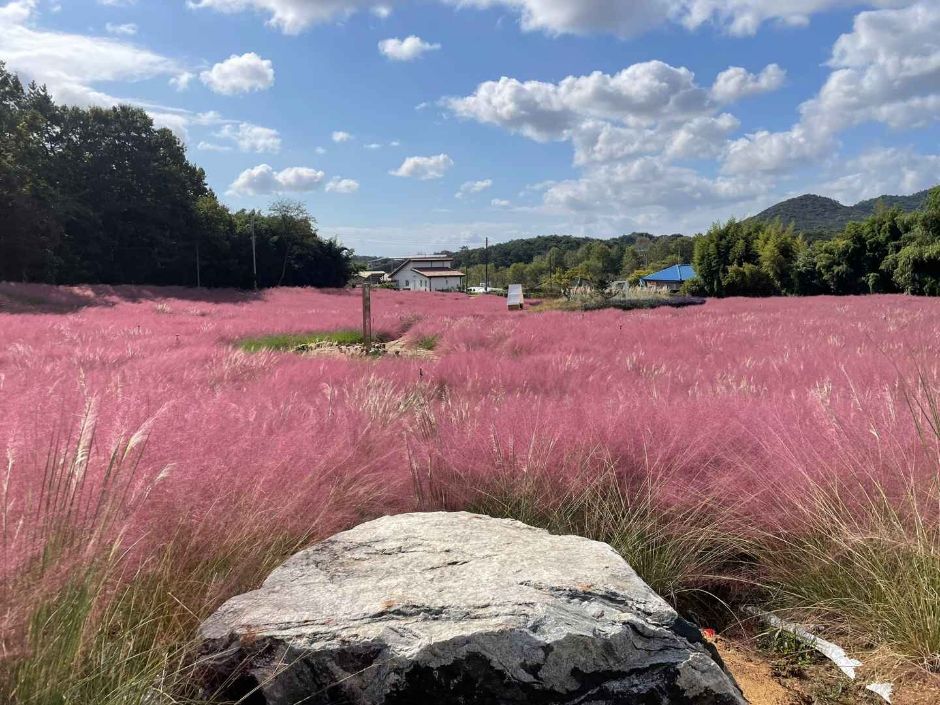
point(772, 679)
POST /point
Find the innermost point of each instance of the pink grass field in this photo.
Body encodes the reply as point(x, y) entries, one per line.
point(739, 400)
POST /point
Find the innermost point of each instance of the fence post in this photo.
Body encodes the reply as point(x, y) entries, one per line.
point(367, 316)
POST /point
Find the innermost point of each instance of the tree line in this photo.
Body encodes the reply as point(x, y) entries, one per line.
point(889, 252)
point(99, 195)
point(570, 261)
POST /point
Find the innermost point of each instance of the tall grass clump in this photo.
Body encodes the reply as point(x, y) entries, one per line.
point(101, 599)
point(869, 568)
point(684, 551)
point(864, 555)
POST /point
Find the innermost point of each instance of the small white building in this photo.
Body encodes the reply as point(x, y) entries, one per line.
point(427, 273)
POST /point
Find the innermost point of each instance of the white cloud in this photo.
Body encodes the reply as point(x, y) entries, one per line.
point(340, 136)
point(470, 187)
point(340, 185)
point(646, 109)
point(624, 18)
point(627, 131)
point(407, 49)
point(500, 203)
point(382, 11)
point(320, 150)
point(290, 16)
point(372, 145)
point(424, 168)
point(886, 70)
point(734, 83)
point(70, 65)
point(262, 180)
point(181, 81)
point(128, 29)
point(882, 171)
point(637, 95)
point(239, 74)
point(177, 123)
point(648, 182)
point(212, 147)
point(251, 138)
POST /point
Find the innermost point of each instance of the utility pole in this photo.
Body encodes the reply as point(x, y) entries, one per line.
point(254, 256)
point(486, 267)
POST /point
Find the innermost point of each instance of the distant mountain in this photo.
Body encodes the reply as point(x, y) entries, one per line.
point(818, 214)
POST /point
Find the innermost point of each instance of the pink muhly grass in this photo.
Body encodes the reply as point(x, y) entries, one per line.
point(700, 427)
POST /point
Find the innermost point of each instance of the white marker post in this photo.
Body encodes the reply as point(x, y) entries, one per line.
point(515, 300)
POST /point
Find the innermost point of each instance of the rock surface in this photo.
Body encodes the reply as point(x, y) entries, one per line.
point(457, 609)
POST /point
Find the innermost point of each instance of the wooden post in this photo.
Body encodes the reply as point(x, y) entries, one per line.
point(367, 316)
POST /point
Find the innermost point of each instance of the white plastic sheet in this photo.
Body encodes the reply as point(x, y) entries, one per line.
point(833, 652)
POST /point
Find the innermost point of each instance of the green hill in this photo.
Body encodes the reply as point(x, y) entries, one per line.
point(527, 249)
point(817, 214)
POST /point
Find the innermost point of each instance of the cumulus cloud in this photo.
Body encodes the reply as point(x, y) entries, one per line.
point(181, 81)
point(892, 170)
point(637, 95)
point(622, 18)
point(735, 83)
point(291, 16)
point(340, 185)
point(407, 49)
point(887, 69)
point(629, 132)
point(500, 203)
point(239, 74)
point(262, 180)
point(340, 136)
point(647, 108)
point(251, 138)
point(424, 168)
point(470, 187)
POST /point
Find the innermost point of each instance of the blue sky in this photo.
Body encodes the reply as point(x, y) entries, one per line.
point(412, 125)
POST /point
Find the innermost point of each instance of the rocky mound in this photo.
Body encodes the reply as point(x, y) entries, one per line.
point(457, 608)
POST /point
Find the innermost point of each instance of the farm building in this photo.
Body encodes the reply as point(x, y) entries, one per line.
point(670, 278)
point(427, 273)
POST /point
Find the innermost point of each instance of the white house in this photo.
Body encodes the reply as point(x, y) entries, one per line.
point(427, 273)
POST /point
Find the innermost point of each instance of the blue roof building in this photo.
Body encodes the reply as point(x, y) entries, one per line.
point(670, 278)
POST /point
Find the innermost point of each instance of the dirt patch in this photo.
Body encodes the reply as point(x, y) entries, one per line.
point(770, 679)
point(393, 348)
point(754, 675)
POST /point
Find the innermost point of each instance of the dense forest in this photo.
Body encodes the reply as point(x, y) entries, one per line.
point(101, 196)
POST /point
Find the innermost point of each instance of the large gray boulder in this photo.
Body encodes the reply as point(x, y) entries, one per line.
point(443, 608)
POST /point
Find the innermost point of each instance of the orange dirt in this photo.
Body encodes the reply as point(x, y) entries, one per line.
point(754, 676)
